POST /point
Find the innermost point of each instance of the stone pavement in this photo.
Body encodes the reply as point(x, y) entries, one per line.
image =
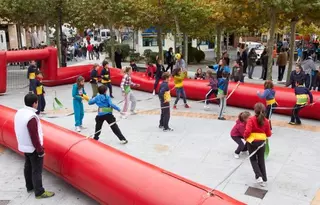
point(199, 148)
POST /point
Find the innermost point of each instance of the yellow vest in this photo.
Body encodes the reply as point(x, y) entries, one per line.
point(32, 76)
point(167, 96)
point(105, 81)
point(271, 102)
point(256, 136)
point(39, 90)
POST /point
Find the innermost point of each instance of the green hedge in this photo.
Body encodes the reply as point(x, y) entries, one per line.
point(199, 56)
point(125, 49)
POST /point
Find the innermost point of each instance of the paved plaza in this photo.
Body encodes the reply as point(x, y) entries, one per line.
point(199, 148)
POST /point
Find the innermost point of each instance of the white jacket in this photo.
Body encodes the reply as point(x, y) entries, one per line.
point(21, 119)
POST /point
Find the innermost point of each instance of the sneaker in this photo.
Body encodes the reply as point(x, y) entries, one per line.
point(292, 123)
point(168, 129)
point(123, 141)
point(263, 184)
point(259, 180)
point(206, 107)
point(186, 106)
point(78, 129)
point(236, 156)
point(174, 107)
point(111, 96)
point(82, 127)
point(133, 113)
point(154, 92)
point(123, 116)
point(46, 194)
point(160, 127)
point(221, 118)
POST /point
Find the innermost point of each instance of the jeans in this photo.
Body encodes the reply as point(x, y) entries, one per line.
point(129, 97)
point(316, 81)
point(281, 70)
point(156, 82)
point(32, 86)
point(241, 146)
point(295, 114)
point(114, 127)
point(165, 115)
point(94, 87)
point(308, 81)
point(257, 160)
point(223, 105)
point(211, 91)
point(33, 172)
point(41, 103)
point(251, 70)
point(91, 55)
point(108, 86)
point(180, 92)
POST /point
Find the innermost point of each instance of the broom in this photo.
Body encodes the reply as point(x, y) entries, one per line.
point(57, 105)
point(267, 150)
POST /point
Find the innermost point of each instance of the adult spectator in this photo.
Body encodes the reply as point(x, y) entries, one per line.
point(297, 75)
point(90, 51)
point(300, 54)
point(308, 67)
point(252, 58)
point(29, 134)
point(225, 56)
point(170, 59)
point(118, 58)
point(264, 63)
point(282, 62)
point(244, 58)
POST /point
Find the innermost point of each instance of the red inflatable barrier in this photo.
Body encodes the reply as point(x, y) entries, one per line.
point(108, 175)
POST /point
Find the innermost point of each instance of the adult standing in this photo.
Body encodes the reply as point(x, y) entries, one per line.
point(300, 54)
point(296, 76)
point(90, 51)
point(170, 60)
point(118, 58)
point(225, 56)
point(282, 62)
point(244, 58)
point(29, 134)
point(308, 67)
point(252, 57)
point(264, 64)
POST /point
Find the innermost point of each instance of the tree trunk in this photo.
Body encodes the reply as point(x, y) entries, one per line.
point(293, 27)
point(57, 33)
point(175, 42)
point(218, 51)
point(18, 27)
point(159, 41)
point(112, 44)
point(185, 49)
point(273, 22)
point(178, 34)
point(227, 41)
point(47, 34)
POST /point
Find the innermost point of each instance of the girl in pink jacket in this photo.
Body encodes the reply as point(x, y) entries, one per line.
point(237, 133)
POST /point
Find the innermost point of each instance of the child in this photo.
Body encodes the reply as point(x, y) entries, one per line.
point(269, 94)
point(223, 84)
point(40, 93)
point(32, 76)
point(105, 77)
point(302, 94)
point(158, 75)
point(213, 82)
point(164, 96)
point(178, 77)
point(256, 133)
point(134, 66)
point(220, 68)
point(151, 70)
point(103, 101)
point(79, 94)
point(199, 75)
point(125, 85)
point(94, 80)
point(238, 131)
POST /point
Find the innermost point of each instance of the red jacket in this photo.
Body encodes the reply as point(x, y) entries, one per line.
point(151, 69)
point(238, 129)
point(254, 132)
point(90, 47)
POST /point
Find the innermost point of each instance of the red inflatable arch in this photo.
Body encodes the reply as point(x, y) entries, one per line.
point(48, 56)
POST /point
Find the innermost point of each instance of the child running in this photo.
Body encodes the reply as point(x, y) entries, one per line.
point(213, 83)
point(256, 133)
point(94, 80)
point(238, 131)
point(105, 77)
point(223, 84)
point(164, 96)
point(79, 94)
point(178, 77)
point(269, 94)
point(125, 86)
point(103, 101)
point(302, 94)
point(40, 93)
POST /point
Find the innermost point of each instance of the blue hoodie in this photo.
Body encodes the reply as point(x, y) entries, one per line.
point(103, 101)
point(268, 94)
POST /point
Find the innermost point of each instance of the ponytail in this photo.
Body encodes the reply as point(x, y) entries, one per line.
point(261, 119)
point(259, 110)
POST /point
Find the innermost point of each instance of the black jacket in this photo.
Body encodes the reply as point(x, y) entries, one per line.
point(295, 77)
point(159, 71)
point(94, 76)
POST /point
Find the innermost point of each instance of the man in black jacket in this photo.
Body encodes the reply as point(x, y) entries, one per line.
point(170, 60)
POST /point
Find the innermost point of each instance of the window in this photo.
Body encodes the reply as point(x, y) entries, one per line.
point(150, 41)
